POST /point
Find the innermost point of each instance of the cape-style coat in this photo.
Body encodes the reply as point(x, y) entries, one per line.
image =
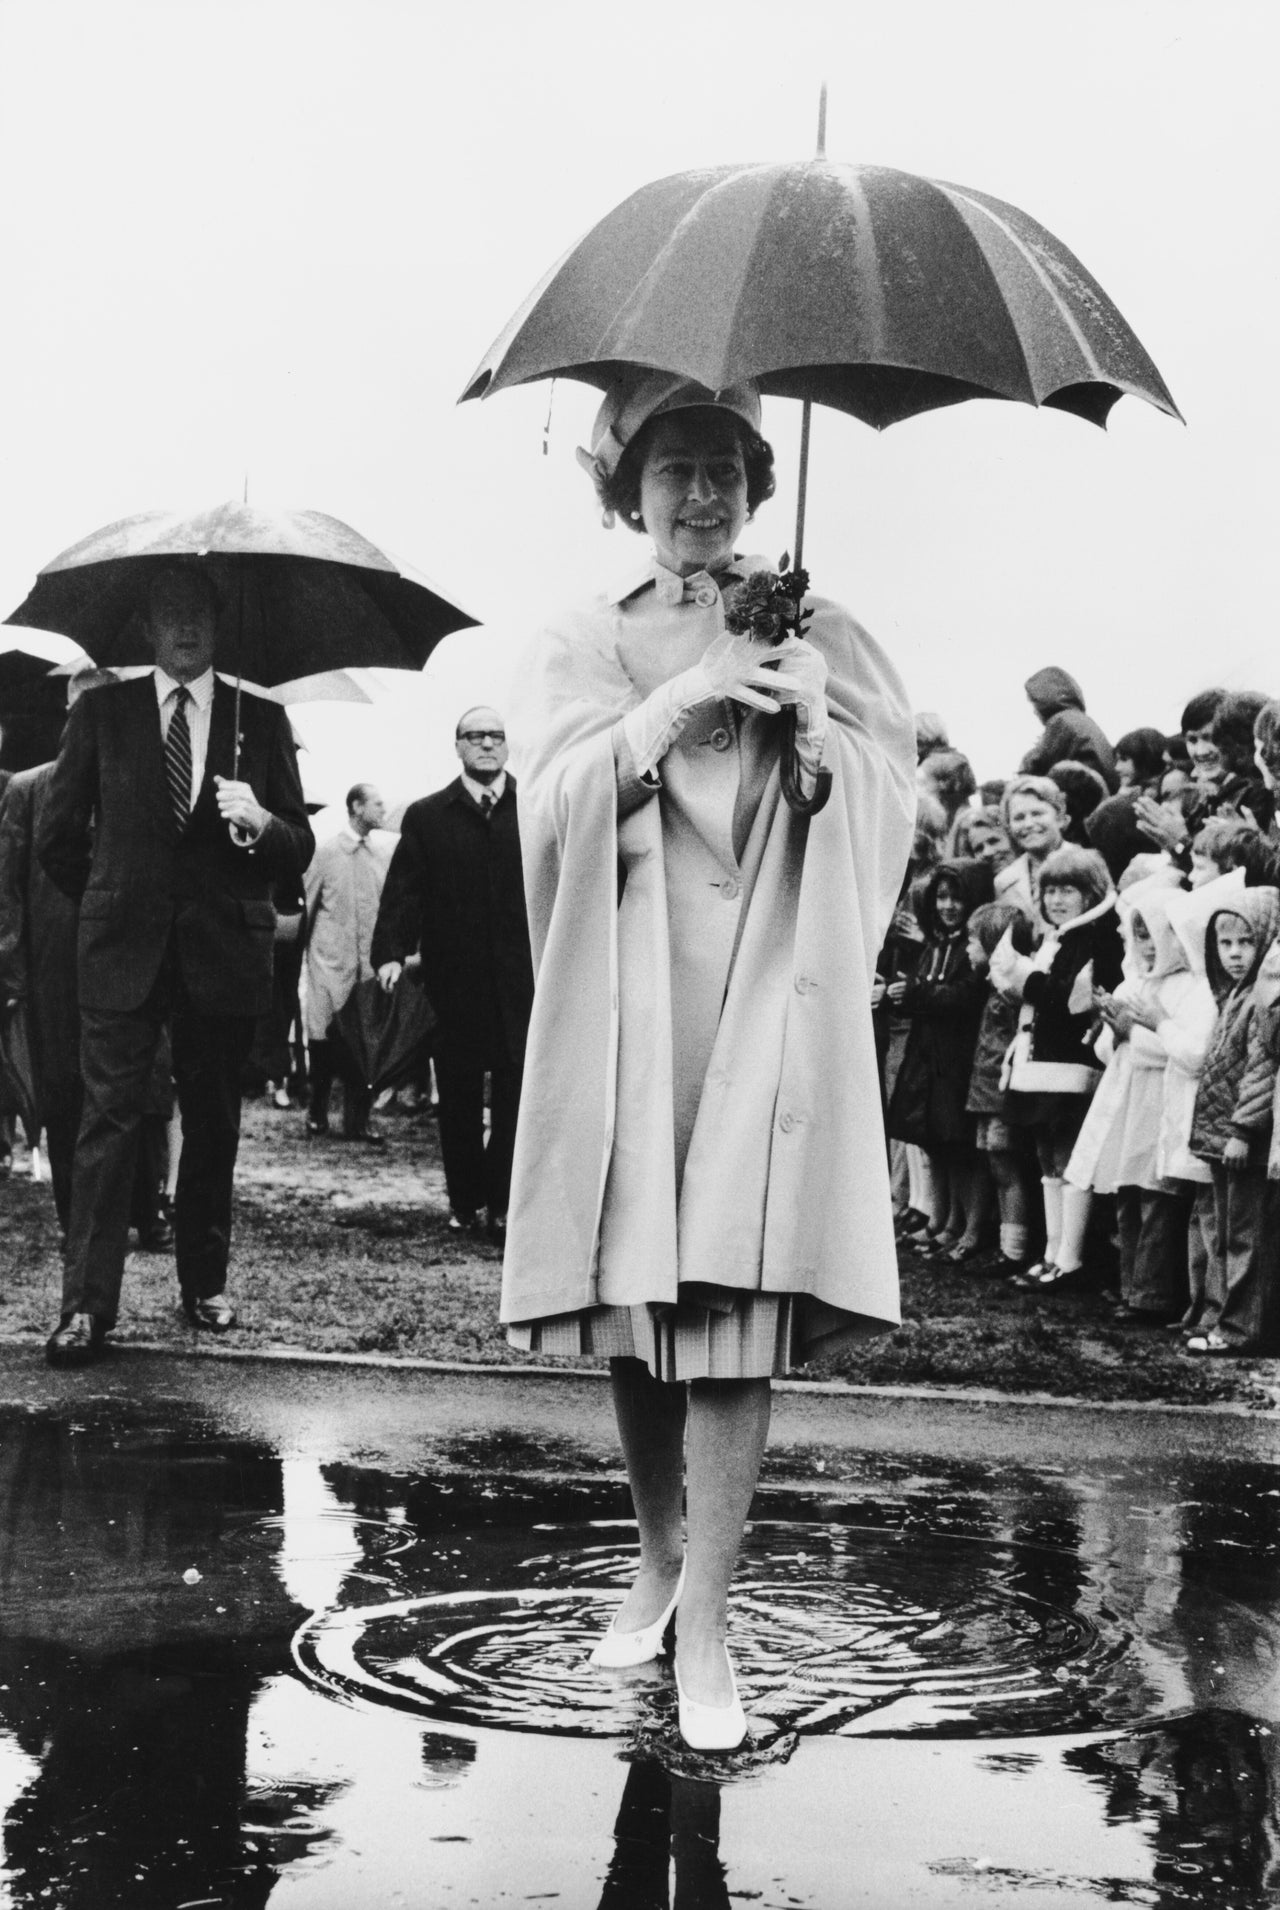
point(785, 1183)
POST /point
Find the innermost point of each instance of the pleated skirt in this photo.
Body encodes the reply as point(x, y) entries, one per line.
point(759, 1336)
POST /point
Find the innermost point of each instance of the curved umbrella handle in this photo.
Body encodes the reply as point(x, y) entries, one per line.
point(789, 770)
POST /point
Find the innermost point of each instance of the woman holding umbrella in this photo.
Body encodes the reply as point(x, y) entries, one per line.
point(700, 1187)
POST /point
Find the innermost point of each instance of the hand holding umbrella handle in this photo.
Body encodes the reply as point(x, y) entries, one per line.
point(789, 769)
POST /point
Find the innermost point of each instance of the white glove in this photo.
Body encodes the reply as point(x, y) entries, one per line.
point(731, 668)
point(801, 683)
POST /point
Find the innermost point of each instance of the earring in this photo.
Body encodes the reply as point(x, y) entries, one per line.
point(634, 516)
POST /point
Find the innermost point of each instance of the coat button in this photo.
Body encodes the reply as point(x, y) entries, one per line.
point(731, 888)
point(786, 1122)
point(805, 985)
point(720, 739)
point(706, 596)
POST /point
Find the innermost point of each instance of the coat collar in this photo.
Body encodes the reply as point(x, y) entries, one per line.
point(669, 585)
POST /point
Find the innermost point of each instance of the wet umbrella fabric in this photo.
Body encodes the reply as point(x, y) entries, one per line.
point(380, 1040)
point(301, 593)
point(873, 291)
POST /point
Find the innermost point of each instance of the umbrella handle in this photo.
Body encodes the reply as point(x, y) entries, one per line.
point(789, 770)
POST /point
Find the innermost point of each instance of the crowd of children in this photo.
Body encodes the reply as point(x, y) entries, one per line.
point(1078, 1019)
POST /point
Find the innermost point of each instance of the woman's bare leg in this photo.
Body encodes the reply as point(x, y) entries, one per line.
point(728, 1426)
point(651, 1422)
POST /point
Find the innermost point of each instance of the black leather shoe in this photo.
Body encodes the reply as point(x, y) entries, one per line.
point(216, 1313)
point(77, 1342)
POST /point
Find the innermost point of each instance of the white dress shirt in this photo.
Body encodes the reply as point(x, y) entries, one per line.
point(199, 715)
point(482, 792)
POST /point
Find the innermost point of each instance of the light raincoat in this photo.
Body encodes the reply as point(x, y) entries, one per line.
point(785, 1185)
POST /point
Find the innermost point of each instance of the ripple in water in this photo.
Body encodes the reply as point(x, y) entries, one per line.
point(834, 1630)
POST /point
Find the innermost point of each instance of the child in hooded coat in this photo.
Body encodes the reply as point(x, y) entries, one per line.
point(1053, 1068)
point(1118, 1151)
point(1186, 1034)
point(943, 999)
point(1231, 1129)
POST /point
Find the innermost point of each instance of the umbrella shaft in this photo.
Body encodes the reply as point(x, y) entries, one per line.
point(802, 487)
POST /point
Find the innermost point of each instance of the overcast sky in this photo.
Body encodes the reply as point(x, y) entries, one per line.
point(274, 238)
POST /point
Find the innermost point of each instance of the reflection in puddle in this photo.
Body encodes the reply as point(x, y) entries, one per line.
point(834, 1630)
point(1071, 1682)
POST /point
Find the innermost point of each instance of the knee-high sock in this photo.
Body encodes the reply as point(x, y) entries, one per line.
point(1051, 1187)
point(1076, 1202)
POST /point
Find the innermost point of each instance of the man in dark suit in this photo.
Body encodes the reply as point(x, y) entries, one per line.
point(454, 895)
point(172, 861)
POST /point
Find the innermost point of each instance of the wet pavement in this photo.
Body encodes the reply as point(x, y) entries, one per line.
point(316, 1635)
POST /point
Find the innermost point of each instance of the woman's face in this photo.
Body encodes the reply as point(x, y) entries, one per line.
point(987, 841)
point(1126, 772)
point(1034, 825)
point(693, 490)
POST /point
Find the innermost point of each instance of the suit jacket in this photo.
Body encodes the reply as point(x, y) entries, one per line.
point(108, 838)
point(455, 891)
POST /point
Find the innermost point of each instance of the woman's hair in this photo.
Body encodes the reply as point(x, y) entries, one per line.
point(989, 922)
point(1038, 786)
point(1144, 748)
point(1201, 710)
point(1232, 729)
point(1218, 839)
point(1073, 868)
point(948, 774)
point(1266, 726)
point(1083, 789)
point(621, 492)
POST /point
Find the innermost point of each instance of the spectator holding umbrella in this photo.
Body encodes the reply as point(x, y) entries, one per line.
point(172, 861)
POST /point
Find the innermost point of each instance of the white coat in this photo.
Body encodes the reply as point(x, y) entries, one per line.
point(785, 1185)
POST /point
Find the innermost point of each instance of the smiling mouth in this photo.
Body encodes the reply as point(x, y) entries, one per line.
point(702, 523)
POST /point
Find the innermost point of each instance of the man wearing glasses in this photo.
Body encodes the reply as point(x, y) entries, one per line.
point(454, 896)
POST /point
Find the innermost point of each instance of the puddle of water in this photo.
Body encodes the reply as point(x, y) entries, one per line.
point(233, 1673)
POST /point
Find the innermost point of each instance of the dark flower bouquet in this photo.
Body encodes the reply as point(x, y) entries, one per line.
point(769, 606)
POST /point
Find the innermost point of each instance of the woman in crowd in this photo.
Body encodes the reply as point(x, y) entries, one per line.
point(699, 1142)
point(1033, 811)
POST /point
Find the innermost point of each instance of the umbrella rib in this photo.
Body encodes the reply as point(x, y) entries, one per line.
point(1064, 311)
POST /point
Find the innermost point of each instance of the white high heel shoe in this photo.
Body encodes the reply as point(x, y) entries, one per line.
point(711, 1727)
point(620, 1648)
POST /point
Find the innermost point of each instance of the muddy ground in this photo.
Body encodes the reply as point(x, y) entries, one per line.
point(341, 1248)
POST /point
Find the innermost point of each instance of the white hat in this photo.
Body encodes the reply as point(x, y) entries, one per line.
point(640, 395)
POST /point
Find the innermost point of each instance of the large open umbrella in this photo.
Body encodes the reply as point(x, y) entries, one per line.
point(34, 665)
point(876, 292)
point(301, 593)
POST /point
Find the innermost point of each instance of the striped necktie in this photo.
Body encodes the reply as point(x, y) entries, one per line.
point(177, 757)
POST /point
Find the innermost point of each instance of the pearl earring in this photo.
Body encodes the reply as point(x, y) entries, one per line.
point(634, 516)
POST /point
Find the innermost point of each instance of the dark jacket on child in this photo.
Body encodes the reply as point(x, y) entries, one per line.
point(1056, 1033)
point(944, 1000)
point(1234, 1099)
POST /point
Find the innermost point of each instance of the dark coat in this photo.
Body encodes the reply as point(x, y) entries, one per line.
point(37, 934)
point(108, 839)
point(1069, 735)
point(944, 1001)
point(455, 893)
point(1056, 1033)
point(1237, 1082)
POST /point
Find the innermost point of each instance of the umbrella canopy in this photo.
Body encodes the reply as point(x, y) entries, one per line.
point(873, 291)
point(302, 593)
point(34, 666)
point(379, 1039)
